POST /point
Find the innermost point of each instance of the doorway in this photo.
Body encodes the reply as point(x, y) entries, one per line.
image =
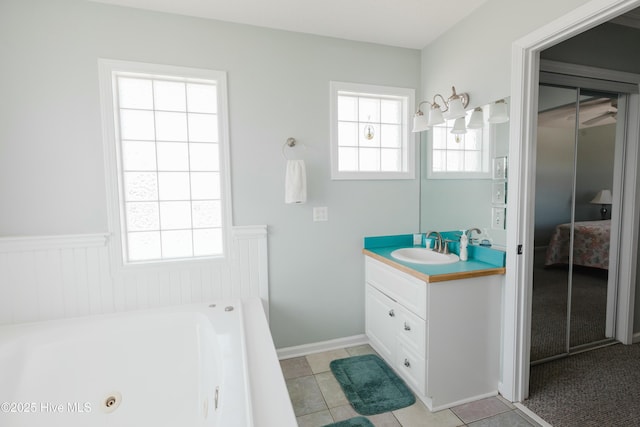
point(517, 298)
point(573, 272)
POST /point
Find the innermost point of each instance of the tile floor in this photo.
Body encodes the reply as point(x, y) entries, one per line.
point(318, 400)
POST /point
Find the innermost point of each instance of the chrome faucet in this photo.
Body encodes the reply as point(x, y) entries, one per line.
point(440, 244)
point(470, 231)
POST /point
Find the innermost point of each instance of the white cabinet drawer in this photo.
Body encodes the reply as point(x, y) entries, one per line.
point(413, 329)
point(402, 287)
point(411, 367)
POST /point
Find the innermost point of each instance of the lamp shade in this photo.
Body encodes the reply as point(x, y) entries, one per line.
point(602, 198)
point(498, 112)
point(477, 119)
point(435, 116)
point(459, 127)
point(420, 123)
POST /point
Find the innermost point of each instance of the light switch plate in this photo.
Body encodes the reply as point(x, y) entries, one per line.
point(498, 218)
point(320, 214)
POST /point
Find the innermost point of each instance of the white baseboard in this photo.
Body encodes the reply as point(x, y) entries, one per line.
point(636, 338)
point(305, 349)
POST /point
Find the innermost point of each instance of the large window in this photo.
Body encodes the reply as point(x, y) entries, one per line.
point(462, 156)
point(169, 145)
point(370, 138)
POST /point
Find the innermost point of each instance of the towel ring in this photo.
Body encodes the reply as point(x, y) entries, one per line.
point(290, 143)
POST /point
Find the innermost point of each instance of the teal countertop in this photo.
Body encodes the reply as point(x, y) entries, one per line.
point(482, 260)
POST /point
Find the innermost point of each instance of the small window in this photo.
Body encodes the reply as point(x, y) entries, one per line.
point(169, 142)
point(370, 137)
point(463, 156)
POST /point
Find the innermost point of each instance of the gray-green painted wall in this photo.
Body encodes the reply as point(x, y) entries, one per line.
point(51, 161)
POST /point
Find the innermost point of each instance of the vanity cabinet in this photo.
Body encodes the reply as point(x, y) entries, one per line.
point(442, 338)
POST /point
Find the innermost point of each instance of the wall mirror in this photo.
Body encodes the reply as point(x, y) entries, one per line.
point(455, 199)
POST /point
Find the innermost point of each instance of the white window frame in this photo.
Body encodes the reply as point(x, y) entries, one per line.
point(408, 138)
point(487, 153)
point(108, 71)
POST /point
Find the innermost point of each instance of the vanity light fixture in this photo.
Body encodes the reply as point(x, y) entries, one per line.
point(498, 112)
point(476, 121)
point(453, 109)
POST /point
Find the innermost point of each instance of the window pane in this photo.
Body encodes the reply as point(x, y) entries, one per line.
point(173, 156)
point(347, 159)
point(347, 108)
point(391, 136)
point(139, 155)
point(203, 128)
point(369, 135)
point(174, 185)
point(454, 143)
point(175, 215)
point(135, 93)
point(369, 110)
point(391, 160)
point(136, 124)
point(142, 216)
point(439, 161)
point(140, 186)
point(207, 242)
point(169, 96)
point(347, 134)
point(205, 185)
point(369, 159)
point(471, 141)
point(202, 98)
point(455, 161)
point(439, 137)
point(168, 156)
point(177, 244)
point(391, 111)
point(143, 246)
point(472, 161)
point(204, 157)
point(171, 126)
point(207, 214)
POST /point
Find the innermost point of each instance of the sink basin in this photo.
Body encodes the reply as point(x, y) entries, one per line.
point(423, 256)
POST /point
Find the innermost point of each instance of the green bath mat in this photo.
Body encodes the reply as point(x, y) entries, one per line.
point(370, 385)
point(352, 422)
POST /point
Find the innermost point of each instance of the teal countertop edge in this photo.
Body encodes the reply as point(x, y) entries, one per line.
point(480, 257)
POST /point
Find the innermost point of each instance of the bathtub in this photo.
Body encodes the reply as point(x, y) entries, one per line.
point(184, 366)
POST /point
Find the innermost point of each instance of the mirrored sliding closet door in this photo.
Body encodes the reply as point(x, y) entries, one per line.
point(574, 278)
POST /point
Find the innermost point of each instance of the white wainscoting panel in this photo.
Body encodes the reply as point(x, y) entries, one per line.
point(52, 277)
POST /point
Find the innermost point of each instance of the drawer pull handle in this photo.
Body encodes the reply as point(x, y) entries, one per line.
point(407, 327)
point(392, 313)
point(407, 363)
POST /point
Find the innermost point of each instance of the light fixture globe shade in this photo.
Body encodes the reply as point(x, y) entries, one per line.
point(498, 112)
point(456, 109)
point(435, 116)
point(477, 119)
point(458, 127)
point(420, 123)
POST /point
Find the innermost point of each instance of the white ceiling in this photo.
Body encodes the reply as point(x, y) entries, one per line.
point(405, 23)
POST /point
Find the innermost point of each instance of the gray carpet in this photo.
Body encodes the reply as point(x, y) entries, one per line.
point(596, 388)
point(549, 307)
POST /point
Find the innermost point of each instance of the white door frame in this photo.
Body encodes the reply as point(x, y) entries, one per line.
point(524, 101)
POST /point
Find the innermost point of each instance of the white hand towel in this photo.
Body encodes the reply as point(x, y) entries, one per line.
point(295, 185)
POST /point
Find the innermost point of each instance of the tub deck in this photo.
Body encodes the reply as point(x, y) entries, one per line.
point(187, 365)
